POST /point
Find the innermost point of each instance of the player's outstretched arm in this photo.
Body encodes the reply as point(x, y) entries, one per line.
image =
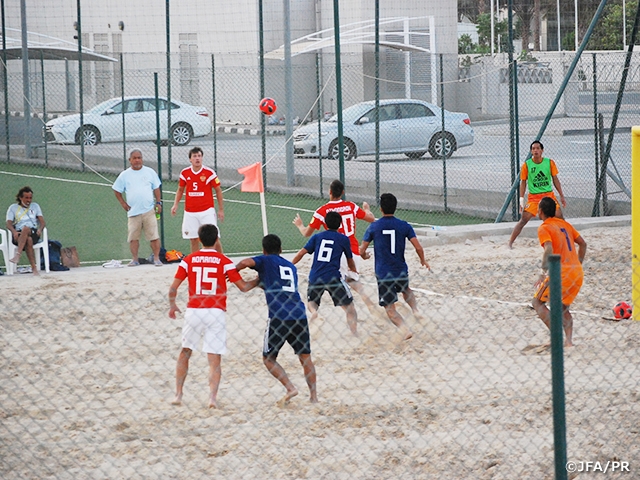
point(363, 250)
point(246, 263)
point(369, 216)
point(305, 231)
point(248, 285)
point(179, 194)
point(420, 251)
point(173, 291)
point(299, 256)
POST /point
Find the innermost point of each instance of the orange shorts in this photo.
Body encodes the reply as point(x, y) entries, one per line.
point(571, 285)
point(534, 199)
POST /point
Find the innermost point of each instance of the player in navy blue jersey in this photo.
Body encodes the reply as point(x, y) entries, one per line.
point(389, 235)
point(287, 315)
point(328, 247)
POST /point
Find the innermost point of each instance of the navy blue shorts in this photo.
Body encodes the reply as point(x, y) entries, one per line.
point(339, 291)
point(388, 290)
point(295, 332)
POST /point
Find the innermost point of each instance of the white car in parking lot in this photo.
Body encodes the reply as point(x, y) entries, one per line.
point(103, 123)
point(412, 127)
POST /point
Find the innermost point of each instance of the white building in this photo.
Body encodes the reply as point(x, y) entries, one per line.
point(228, 33)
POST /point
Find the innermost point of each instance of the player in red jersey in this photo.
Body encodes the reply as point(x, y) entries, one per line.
point(207, 272)
point(349, 212)
point(199, 206)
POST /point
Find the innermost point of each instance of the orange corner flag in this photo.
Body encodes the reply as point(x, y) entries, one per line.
point(252, 178)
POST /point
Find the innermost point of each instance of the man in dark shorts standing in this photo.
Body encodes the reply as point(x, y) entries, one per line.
point(328, 247)
point(287, 315)
point(389, 235)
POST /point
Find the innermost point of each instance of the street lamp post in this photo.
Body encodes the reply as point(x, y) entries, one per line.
point(559, 39)
point(575, 24)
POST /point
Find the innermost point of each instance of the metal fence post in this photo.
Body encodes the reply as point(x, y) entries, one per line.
point(597, 137)
point(635, 215)
point(159, 151)
point(215, 129)
point(319, 114)
point(168, 24)
point(80, 85)
point(5, 83)
point(263, 123)
point(377, 98)
point(442, 136)
point(44, 108)
point(124, 130)
point(513, 78)
point(336, 34)
point(288, 93)
point(26, 93)
point(557, 369)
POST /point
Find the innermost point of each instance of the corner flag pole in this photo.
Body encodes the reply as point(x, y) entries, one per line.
point(635, 221)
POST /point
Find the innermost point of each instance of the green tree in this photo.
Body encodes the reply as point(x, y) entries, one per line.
point(484, 31)
point(465, 44)
point(607, 34)
point(471, 9)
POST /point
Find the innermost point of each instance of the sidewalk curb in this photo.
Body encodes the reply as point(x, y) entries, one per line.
point(50, 116)
point(249, 131)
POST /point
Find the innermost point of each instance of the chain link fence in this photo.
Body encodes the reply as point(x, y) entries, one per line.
point(88, 356)
point(88, 374)
point(469, 185)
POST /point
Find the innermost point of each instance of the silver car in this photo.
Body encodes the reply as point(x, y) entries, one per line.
point(103, 123)
point(412, 127)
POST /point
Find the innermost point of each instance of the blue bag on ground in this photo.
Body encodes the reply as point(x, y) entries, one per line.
point(55, 260)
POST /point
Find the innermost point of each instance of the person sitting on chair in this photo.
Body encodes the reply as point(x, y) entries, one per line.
point(25, 222)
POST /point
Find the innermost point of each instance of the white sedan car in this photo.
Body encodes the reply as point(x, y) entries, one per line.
point(412, 127)
point(103, 123)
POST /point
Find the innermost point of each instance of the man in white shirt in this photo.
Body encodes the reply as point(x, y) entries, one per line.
point(142, 188)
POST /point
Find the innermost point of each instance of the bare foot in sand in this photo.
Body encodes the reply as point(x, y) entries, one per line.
point(406, 333)
point(177, 400)
point(313, 399)
point(287, 398)
point(213, 403)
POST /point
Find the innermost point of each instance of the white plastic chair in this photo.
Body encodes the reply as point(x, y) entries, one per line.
point(41, 246)
point(4, 248)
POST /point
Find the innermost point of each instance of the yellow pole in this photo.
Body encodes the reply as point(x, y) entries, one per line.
point(635, 221)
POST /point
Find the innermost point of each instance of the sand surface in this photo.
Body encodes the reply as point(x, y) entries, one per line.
point(88, 360)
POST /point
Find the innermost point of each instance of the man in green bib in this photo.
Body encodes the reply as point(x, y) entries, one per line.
point(540, 174)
